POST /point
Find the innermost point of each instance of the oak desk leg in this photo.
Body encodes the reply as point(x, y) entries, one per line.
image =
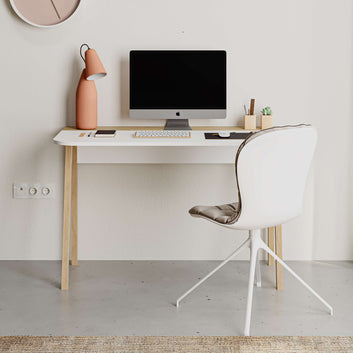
point(271, 244)
point(66, 219)
point(74, 244)
point(279, 268)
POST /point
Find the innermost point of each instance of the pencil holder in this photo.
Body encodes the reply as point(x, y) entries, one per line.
point(266, 121)
point(250, 122)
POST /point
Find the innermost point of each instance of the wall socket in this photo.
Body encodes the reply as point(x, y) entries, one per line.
point(33, 191)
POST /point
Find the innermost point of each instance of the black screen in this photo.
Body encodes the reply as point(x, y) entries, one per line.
point(178, 79)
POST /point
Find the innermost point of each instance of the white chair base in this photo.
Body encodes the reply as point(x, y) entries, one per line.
point(255, 243)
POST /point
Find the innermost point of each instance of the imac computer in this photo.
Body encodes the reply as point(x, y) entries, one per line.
point(178, 85)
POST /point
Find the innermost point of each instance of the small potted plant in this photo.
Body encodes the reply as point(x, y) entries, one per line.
point(266, 118)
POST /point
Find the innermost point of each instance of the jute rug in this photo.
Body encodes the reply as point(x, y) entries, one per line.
point(151, 344)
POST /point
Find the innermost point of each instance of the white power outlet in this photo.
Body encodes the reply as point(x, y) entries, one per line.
point(33, 191)
point(47, 191)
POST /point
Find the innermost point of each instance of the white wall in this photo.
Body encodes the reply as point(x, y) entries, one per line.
point(293, 55)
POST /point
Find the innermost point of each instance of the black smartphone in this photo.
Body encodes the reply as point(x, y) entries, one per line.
point(105, 133)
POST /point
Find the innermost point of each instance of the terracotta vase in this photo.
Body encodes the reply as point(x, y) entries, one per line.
point(86, 104)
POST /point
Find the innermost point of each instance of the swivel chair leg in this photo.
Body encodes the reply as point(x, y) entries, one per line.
point(234, 253)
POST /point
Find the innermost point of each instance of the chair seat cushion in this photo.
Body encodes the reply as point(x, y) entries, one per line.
point(224, 214)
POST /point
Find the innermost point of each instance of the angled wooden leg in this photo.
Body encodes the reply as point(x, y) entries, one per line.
point(74, 243)
point(279, 268)
point(271, 244)
point(66, 220)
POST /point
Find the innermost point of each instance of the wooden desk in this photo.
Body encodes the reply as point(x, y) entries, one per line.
point(221, 152)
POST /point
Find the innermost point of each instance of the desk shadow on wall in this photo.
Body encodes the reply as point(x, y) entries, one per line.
point(75, 73)
point(124, 92)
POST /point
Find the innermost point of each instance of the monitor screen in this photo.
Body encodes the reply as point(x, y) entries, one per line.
point(178, 79)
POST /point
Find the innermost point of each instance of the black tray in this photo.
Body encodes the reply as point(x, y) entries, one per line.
point(233, 136)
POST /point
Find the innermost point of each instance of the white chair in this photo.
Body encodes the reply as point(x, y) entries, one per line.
point(271, 169)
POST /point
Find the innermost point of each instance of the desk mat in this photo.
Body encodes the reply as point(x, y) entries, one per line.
point(233, 136)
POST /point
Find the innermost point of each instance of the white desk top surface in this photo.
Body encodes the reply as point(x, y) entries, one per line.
point(125, 138)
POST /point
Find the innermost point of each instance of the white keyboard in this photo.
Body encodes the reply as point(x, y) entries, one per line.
point(162, 134)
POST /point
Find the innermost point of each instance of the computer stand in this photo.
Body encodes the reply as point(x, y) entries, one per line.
point(177, 124)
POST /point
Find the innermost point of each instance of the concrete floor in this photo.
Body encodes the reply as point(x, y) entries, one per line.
point(137, 298)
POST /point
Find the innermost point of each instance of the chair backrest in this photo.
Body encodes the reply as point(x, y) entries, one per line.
point(271, 169)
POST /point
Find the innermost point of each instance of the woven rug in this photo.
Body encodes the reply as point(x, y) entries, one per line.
point(151, 344)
